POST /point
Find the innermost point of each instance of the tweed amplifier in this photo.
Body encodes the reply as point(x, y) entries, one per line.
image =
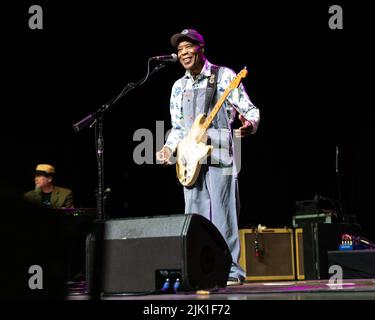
point(267, 254)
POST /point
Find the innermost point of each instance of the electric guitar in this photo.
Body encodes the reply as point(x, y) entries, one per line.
point(193, 150)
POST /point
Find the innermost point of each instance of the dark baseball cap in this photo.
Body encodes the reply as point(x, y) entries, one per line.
point(187, 35)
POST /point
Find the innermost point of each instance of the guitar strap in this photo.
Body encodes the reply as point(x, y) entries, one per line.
point(211, 87)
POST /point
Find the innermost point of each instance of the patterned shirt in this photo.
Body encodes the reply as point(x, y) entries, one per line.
point(236, 100)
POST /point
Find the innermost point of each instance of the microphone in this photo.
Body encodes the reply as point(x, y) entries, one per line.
point(170, 57)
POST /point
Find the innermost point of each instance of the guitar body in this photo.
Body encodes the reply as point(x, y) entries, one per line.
point(191, 153)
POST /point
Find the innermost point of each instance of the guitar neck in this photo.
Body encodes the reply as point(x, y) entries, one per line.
point(234, 84)
point(216, 109)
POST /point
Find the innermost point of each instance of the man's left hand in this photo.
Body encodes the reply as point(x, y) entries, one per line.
point(246, 128)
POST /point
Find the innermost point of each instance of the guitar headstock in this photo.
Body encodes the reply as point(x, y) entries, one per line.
point(237, 79)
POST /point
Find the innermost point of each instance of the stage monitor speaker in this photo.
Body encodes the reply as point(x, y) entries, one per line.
point(318, 239)
point(267, 254)
point(139, 255)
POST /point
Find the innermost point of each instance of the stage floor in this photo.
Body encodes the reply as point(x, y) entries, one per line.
point(356, 289)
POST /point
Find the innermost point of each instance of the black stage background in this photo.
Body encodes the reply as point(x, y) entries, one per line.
point(308, 81)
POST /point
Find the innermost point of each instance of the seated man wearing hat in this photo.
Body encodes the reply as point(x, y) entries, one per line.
point(46, 193)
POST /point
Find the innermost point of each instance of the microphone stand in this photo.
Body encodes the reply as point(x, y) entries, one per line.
point(97, 119)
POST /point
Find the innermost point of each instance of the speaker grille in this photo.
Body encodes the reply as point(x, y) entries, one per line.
point(276, 254)
point(147, 227)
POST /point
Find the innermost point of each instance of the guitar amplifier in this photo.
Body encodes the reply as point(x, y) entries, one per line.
point(300, 265)
point(267, 254)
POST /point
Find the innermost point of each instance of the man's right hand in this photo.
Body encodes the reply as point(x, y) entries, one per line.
point(164, 155)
